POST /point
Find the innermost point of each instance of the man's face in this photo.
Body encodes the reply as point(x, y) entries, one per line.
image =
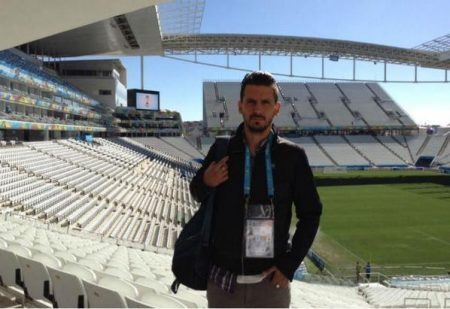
point(258, 107)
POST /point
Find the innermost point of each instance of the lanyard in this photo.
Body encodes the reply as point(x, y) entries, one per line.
point(269, 176)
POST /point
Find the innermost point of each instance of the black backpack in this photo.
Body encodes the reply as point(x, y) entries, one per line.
point(191, 257)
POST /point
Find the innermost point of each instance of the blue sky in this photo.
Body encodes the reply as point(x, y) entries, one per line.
point(402, 23)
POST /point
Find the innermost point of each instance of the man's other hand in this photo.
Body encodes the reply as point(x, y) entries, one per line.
point(278, 279)
point(216, 173)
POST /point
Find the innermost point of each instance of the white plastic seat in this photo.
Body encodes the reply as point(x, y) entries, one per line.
point(160, 269)
point(119, 285)
point(101, 297)
point(36, 279)
point(117, 264)
point(60, 247)
point(65, 256)
point(3, 244)
point(138, 264)
point(19, 250)
point(7, 236)
point(80, 271)
point(194, 300)
point(68, 289)
point(92, 264)
point(10, 269)
point(78, 253)
point(161, 301)
point(133, 303)
point(153, 283)
point(98, 257)
point(47, 260)
point(123, 274)
point(43, 248)
point(166, 280)
point(139, 272)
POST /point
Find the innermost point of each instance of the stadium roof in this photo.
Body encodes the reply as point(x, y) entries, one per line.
point(439, 45)
point(62, 29)
point(241, 44)
point(133, 33)
point(136, 29)
point(23, 21)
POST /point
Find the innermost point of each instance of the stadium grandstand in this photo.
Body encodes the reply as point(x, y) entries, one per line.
point(350, 125)
point(94, 187)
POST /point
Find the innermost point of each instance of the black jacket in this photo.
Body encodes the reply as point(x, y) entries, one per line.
point(294, 184)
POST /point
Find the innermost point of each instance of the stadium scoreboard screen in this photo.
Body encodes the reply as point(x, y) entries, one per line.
point(143, 99)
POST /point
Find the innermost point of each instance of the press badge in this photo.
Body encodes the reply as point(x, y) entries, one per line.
point(259, 231)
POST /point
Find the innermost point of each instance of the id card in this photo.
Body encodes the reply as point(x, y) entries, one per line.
point(259, 231)
point(259, 239)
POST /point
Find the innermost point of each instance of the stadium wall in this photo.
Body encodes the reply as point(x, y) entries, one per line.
point(370, 179)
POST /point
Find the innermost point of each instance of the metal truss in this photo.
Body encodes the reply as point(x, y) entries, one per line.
point(438, 45)
point(180, 18)
point(263, 45)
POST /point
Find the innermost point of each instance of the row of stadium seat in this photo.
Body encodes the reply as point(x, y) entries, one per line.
point(100, 274)
point(141, 200)
point(70, 267)
point(367, 150)
point(183, 145)
point(185, 166)
point(18, 68)
point(315, 105)
point(174, 146)
point(134, 211)
point(382, 296)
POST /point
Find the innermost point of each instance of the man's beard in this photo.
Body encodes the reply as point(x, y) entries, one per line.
point(258, 129)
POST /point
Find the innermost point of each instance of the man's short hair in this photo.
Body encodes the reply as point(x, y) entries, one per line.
point(259, 78)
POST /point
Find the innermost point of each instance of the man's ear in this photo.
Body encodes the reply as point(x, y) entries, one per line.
point(277, 108)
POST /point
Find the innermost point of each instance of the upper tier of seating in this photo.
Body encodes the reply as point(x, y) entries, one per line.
point(15, 67)
point(15, 100)
point(311, 106)
point(177, 147)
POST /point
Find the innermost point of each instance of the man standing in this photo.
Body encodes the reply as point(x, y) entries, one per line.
point(256, 185)
point(368, 270)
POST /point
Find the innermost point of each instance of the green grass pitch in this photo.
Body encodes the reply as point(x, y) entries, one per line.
point(400, 228)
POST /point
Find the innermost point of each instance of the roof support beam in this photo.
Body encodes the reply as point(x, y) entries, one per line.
point(322, 76)
point(323, 67)
point(269, 45)
point(415, 73)
point(291, 65)
point(259, 62)
point(142, 72)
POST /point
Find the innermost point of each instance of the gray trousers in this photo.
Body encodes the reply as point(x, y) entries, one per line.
point(258, 295)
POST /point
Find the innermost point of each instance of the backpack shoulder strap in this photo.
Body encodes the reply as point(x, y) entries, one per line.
point(221, 150)
point(221, 146)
